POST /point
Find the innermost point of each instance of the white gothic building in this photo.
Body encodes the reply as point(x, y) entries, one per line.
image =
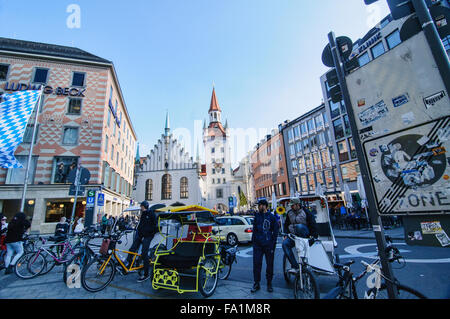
point(168, 175)
point(218, 177)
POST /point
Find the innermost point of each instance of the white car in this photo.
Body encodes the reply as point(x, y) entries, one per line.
point(235, 229)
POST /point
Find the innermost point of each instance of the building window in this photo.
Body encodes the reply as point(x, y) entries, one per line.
point(112, 152)
point(329, 179)
point(4, 68)
point(70, 136)
point(304, 183)
point(40, 76)
point(298, 147)
point(303, 129)
point(297, 131)
point(149, 190)
point(106, 144)
point(16, 176)
point(352, 148)
point(325, 158)
point(106, 174)
point(311, 126)
point(319, 121)
point(319, 178)
point(301, 164)
point(28, 136)
point(377, 50)
point(219, 193)
point(213, 150)
point(393, 39)
point(445, 42)
point(184, 188)
point(335, 109)
point(306, 145)
point(75, 106)
point(292, 149)
point(338, 129)
point(309, 165)
point(295, 165)
point(78, 79)
point(350, 171)
point(311, 183)
point(317, 163)
point(166, 187)
point(63, 166)
point(348, 129)
point(343, 151)
point(364, 59)
point(290, 135)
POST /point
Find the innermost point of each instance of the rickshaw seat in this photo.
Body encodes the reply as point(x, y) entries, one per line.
point(185, 255)
point(323, 229)
point(195, 235)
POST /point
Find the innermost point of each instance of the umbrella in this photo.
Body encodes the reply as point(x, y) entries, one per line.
point(348, 196)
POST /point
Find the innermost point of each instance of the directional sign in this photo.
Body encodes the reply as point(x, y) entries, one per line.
point(81, 190)
point(101, 200)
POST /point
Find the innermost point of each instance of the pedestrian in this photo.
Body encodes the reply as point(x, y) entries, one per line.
point(3, 230)
point(80, 226)
point(121, 224)
point(104, 223)
point(14, 244)
point(264, 238)
point(301, 223)
point(146, 230)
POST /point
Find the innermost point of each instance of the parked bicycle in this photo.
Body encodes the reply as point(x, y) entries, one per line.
point(346, 287)
point(228, 257)
point(84, 256)
point(100, 271)
point(45, 258)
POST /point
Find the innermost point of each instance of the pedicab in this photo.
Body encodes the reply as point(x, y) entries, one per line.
point(317, 255)
point(191, 264)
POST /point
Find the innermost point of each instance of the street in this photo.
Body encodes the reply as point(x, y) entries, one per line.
point(425, 271)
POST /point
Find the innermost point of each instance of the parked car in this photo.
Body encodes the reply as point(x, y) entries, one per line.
point(235, 229)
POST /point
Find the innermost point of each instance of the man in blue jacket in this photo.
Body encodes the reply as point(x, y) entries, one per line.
point(264, 238)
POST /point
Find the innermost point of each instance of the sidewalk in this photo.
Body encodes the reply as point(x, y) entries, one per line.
point(396, 233)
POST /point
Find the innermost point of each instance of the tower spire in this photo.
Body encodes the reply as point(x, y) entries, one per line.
point(167, 127)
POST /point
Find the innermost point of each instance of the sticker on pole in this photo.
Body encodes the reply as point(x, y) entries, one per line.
point(410, 172)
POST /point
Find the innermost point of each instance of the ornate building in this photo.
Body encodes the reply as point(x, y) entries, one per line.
point(168, 175)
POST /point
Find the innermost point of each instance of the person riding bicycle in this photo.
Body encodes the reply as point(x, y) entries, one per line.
point(146, 230)
point(300, 222)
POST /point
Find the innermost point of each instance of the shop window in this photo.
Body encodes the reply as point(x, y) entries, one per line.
point(58, 208)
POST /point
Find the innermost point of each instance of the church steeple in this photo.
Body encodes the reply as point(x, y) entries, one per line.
point(167, 127)
point(215, 112)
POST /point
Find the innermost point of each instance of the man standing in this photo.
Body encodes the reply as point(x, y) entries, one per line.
point(264, 238)
point(146, 230)
point(300, 222)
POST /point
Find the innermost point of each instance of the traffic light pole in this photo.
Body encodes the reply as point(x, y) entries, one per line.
point(434, 41)
point(373, 214)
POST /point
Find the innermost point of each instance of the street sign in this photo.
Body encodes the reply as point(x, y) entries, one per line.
point(101, 200)
point(404, 127)
point(81, 190)
point(90, 201)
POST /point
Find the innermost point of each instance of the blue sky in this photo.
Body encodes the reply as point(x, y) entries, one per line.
point(264, 56)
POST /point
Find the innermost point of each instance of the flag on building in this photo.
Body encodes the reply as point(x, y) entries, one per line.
point(15, 112)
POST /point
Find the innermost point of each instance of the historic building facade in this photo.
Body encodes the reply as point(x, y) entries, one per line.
point(83, 120)
point(168, 175)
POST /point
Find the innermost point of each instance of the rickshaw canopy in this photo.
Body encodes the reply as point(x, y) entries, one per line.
point(191, 208)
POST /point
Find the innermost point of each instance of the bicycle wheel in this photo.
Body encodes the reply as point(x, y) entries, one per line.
point(310, 288)
point(50, 263)
point(224, 270)
point(208, 278)
point(403, 292)
point(29, 266)
point(96, 276)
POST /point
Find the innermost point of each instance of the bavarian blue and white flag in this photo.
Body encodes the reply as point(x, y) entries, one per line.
point(15, 112)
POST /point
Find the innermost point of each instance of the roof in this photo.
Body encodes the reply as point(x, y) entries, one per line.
point(60, 51)
point(214, 126)
point(214, 104)
point(191, 208)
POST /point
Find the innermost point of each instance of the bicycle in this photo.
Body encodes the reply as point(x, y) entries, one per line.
point(81, 259)
point(228, 257)
point(305, 283)
point(346, 287)
point(33, 264)
point(102, 269)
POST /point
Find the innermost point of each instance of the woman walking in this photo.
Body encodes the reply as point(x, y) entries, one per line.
point(16, 229)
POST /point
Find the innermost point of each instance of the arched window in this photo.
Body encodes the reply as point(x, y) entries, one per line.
point(184, 188)
point(149, 190)
point(166, 187)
